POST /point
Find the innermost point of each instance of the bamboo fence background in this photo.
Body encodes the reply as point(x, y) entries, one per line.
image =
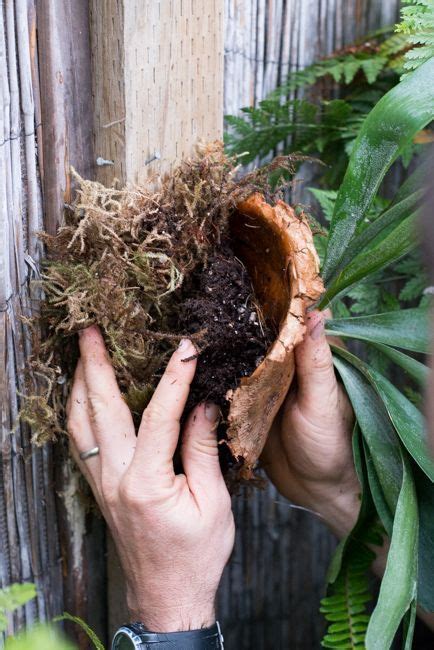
point(28, 520)
point(271, 588)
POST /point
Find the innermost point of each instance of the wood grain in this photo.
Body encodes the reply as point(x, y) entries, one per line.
point(66, 141)
point(158, 82)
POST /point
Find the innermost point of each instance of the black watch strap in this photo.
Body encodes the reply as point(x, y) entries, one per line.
point(209, 638)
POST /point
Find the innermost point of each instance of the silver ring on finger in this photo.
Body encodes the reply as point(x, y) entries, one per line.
point(85, 455)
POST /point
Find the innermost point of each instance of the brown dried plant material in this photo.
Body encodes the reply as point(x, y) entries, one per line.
point(205, 256)
point(277, 249)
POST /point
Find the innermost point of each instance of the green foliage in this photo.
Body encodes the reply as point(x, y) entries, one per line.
point(313, 127)
point(349, 590)
point(398, 591)
point(13, 597)
point(377, 292)
point(345, 606)
point(389, 127)
point(79, 621)
point(364, 240)
point(408, 329)
point(417, 24)
point(40, 637)
point(290, 120)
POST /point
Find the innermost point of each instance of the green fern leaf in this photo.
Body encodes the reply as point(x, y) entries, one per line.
point(84, 626)
point(345, 608)
point(417, 24)
point(326, 199)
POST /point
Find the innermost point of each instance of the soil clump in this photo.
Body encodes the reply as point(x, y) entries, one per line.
point(221, 303)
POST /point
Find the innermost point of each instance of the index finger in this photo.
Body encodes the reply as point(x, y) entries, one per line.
point(160, 426)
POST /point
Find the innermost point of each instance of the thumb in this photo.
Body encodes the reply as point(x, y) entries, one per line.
point(200, 457)
point(316, 378)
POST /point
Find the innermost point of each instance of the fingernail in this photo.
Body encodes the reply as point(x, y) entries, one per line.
point(317, 330)
point(183, 344)
point(212, 412)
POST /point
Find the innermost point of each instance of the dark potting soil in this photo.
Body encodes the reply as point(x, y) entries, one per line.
point(221, 301)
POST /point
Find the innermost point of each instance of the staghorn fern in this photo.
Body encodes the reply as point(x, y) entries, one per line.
point(399, 468)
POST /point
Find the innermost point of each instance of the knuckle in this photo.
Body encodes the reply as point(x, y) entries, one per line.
point(154, 414)
point(323, 357)
point(206, 447)
point(98, 406)
point(172, 373)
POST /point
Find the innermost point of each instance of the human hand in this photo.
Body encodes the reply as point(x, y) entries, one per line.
point(174, 533)
point(308, 455)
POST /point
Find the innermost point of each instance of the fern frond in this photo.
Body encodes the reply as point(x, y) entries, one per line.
point(345, 606)
point(97, 644)
point(417, 24)
point(326, 199)
point(342, 68)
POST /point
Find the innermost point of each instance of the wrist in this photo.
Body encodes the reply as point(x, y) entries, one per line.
point(338, 505)
point(177, 618)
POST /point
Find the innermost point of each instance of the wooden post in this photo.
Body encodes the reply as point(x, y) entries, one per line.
point(158, 82)
point(65, 141)
point(157, 69)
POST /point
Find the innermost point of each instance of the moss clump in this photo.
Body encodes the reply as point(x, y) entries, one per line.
point(126, 259)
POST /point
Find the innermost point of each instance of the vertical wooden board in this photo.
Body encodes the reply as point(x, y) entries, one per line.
point(158, 83)
point(175, 97)
point(108, 88)
point(63, 50)
point(158, 89)
point(66, 101)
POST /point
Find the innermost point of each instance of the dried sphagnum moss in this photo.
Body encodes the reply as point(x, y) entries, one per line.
point(120, 261)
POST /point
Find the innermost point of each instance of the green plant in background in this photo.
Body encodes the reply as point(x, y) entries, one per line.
point(39, 637)
point(320, 110)
point(13, 597)
point(375, 287)
point(417, 24)
point(399, 466)
point(324, 118)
